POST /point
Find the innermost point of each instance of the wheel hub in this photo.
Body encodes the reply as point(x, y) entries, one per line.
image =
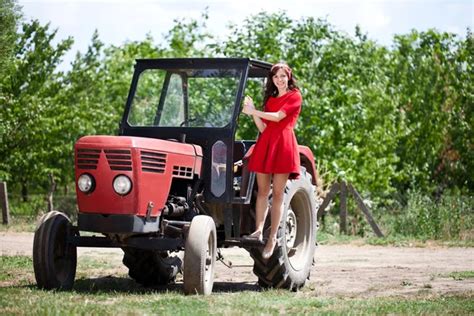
point(291, 229)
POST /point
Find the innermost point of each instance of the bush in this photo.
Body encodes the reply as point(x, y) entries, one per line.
point(37, 205)
point(449, 217)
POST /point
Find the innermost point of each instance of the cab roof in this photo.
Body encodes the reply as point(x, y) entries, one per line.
point(256, 68)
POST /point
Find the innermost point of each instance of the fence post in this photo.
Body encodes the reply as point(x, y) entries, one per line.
point(332, 193)
point(343, 209)
point(4, 203)
point(365, 210)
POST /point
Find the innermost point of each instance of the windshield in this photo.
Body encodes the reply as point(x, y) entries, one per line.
point(185, 97)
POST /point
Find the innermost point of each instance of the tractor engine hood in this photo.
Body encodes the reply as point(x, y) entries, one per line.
point(142, 143)
point(131, 175)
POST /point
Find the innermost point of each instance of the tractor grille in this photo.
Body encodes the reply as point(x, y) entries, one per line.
point(153, 161)
point(119, 159)
point(87, 158)
point(184, 172)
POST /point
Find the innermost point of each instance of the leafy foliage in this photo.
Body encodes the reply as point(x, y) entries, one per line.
point(432, 76)
point(10, 15)
point(348, 119)
point(28, 106)
point(448, 218)
point(385, 119)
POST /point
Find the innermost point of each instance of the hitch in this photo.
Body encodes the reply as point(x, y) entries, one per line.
point(220, 258)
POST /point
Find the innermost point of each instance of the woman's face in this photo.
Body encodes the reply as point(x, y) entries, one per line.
point(280, 80)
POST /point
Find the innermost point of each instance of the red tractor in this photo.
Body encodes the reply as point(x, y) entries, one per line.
point(175, 179)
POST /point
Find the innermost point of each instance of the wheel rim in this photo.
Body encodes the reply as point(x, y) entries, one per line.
point(291, 229)
point(299, 234)
point(209, 261)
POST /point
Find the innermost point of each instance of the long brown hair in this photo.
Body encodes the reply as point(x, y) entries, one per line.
point(270, 89)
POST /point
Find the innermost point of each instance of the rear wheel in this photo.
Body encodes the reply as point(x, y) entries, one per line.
point(150, 268)
point(290, 265)
point(200, 256)
point(54, 259)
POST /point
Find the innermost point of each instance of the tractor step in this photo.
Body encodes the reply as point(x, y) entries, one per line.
point(245, 242)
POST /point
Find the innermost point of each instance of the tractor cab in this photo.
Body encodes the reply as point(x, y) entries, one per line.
point(195, 101)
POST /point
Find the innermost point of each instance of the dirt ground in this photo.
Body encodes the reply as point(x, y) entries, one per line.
point(350, 271)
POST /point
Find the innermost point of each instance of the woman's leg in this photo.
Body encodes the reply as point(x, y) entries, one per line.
point(279, 183)
point(261, 207)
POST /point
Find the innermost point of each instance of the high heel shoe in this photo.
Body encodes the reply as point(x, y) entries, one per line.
point(269, 247)
point(256, 235)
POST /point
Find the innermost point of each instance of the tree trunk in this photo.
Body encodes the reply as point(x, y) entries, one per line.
point(4, 203)
point(24, 191)
point(52, 188)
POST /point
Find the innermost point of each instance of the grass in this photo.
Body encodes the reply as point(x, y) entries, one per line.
point(14, 266)
point(403, 241)
point(118, 294)
point(20, 224)
point(461, 275)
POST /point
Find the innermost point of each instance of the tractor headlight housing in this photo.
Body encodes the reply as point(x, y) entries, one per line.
point(86, 183)
point(122, 184)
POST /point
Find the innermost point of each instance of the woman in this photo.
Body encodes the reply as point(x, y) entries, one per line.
point(275, 157)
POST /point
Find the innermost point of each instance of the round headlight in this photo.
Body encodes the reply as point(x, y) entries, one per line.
point(85, 183)
point(122, 184)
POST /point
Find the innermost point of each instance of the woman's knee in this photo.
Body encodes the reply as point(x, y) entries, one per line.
point(278, 192)
point(263, 192)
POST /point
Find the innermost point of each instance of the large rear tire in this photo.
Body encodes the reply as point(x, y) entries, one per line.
point(54, 259)
point(151, 268)
point(290, 265)
point(200, 256)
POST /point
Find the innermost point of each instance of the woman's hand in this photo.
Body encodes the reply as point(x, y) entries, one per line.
point(249, 107)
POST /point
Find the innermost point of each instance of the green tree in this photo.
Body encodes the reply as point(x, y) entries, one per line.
point(10, 15)
point(28, 94)
point(262, 37)
point(81, 109)
point(118, 63)
point(188, 38)
point(348, 119)
point(457, 159)
point(431, 76)
point(383, 119)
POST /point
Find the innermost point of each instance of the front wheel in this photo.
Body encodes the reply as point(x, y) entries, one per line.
point(200, 256)
point(54, 259)
point(290, 265)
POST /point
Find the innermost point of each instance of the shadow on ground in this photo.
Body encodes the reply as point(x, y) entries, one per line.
point(119, 284)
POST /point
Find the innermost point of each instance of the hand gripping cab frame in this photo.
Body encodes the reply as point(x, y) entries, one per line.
point(173, 186)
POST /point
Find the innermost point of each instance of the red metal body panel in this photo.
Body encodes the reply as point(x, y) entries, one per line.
point(307, 160)
point(149, 163)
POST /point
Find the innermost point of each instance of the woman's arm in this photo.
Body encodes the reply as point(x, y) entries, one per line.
point(270, 116)
point(257, 115)
point(249, 107)
point(259, 123)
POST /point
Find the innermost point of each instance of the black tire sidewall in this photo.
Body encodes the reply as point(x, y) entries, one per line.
point(53, 227)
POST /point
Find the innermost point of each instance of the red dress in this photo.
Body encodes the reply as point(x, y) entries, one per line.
point(276, 150)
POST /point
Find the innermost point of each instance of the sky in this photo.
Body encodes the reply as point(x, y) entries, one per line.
point(118, 21)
